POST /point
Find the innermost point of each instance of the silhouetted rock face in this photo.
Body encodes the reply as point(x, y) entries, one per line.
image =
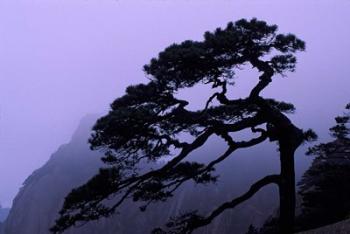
point(36, 206)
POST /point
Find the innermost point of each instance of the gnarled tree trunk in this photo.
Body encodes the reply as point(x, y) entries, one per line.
point(289, 141)
point(287, 191)
point(289, 138)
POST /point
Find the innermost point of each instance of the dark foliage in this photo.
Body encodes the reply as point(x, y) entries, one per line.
point(270, 227)
point(252, 230)
point(149, 123)
point(325, 186)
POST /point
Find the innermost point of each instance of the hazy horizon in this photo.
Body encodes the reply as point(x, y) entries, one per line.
point(62, 60)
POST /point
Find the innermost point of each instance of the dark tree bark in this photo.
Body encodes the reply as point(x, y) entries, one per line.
point(289, 140)
point(287, 192)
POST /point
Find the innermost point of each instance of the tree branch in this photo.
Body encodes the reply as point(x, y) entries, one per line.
point(189, 222)
point(233, 203)
point(264, 80)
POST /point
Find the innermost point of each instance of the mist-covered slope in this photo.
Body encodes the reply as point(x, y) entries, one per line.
point(39, 200)
point(3, 213)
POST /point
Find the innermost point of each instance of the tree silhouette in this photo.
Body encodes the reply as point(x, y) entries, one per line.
point(325, 186)
point(149, 123)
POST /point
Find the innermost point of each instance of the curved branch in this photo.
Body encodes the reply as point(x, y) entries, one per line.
point(183, 154)
point(264, 80)
point(233, 203)
point(243, 124)
point(189, 222)
point(210, 166)
point(209, 101)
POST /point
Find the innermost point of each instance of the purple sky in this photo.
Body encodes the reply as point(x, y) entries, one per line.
point(63, 59)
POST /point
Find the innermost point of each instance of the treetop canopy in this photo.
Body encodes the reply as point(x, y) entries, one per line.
point(184, 65)
point(149, 118)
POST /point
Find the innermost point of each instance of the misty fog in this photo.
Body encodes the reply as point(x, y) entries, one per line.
point(61, 60)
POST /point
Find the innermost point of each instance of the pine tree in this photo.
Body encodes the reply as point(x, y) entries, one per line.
point(325, 186)
point(148, 123)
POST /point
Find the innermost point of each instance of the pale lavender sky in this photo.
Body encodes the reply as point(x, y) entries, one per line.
point(63, 59)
